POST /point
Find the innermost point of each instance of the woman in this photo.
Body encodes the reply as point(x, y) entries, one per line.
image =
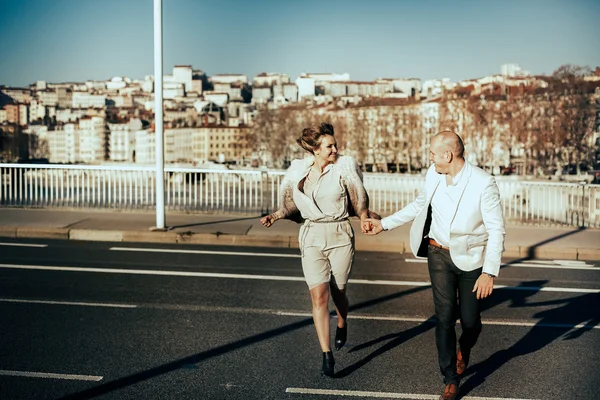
point(320, 188)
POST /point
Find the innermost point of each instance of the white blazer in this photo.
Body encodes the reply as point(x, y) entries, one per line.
point(477, 228)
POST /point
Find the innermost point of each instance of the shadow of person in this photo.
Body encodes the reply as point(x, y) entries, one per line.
point(576, 316)
point(499, 296)
point(516, 296)
point(395, 340)
point(224, 221)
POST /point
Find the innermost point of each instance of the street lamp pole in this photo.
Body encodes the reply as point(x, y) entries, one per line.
point(158, 116)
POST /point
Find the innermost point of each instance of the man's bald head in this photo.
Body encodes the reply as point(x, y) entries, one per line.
point(449, 141)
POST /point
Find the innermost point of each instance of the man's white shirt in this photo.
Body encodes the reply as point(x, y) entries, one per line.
point(443, 206)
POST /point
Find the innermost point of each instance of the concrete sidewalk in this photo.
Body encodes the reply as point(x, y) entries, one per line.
point(237, 230)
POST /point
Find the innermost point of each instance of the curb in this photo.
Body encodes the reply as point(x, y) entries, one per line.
point(8, 231)
point(547, 252)
point(42, 233)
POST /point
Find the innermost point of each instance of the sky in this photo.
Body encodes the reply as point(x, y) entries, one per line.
point(79, 40)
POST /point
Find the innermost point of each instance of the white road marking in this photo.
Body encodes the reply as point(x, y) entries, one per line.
point(23, 245)
point(547, 289)
point(69, 303)
point(268, 277)
point(154, 272)
point(551, 264)
point(301, 314)
point(46, 375)
point(223, 253)
point(567, 262)
point(422, 320)
point(388, 395)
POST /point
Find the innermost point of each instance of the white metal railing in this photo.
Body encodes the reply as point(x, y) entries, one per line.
point(257, 192)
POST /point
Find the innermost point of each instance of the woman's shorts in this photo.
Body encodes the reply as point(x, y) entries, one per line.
point(327, 252)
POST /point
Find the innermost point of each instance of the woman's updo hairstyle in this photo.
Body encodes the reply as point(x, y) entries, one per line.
point(311, 137)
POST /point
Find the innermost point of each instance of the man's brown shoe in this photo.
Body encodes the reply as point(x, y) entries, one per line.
point(450, 392)
point(461, 364)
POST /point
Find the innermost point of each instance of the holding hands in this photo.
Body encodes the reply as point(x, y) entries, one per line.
point(371, 226)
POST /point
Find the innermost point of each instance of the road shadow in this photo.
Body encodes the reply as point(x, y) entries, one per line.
point(217, 351)
point(212, 222)
point(573, 317)
point(517, 298)
point(393, 340)
point(531, 249)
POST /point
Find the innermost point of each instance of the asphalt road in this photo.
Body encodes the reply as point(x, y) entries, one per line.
point(85, 320)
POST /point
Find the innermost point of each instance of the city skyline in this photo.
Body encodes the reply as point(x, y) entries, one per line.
point(70, 40)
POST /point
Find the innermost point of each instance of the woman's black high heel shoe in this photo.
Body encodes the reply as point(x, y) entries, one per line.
point(328, 364)
point(341, 335)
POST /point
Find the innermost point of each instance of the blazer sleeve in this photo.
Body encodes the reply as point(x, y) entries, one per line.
point(353, 181)
point(493, 219)
point(409, 213)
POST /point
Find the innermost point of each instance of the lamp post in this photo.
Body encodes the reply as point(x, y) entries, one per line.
point(158, 116)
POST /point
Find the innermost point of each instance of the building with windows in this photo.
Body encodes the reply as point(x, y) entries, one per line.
point(93, 140)
point(63, 144)
point(122, 140)
point(88, 100)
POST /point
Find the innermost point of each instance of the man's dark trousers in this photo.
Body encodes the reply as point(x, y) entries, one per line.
point(453, 293)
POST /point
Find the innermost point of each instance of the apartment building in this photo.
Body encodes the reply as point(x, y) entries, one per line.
point(19, 95)
point(63, 144)
point(270, 79)
point(183, 74)
point(229, 78)
point(195, 145)
point(88, 100)
point(225, 144)
point(24, 114)
point(47, 97)
point(12, 113)
point(290, 92)
point(122, 140)
point(37, 110)
point(261, 94)
point(93, 140)
point(306, 87)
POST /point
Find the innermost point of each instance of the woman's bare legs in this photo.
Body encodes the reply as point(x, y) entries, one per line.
point(341, 303)
point(320, 311)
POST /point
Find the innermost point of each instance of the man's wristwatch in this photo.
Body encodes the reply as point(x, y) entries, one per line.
point(490, 275)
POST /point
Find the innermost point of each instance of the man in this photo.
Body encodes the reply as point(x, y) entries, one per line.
point(458, 225)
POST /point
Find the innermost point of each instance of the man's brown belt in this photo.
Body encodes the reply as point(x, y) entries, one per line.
point(436, 244)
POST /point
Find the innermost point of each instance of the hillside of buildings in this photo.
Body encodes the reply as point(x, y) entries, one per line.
point(512, 122)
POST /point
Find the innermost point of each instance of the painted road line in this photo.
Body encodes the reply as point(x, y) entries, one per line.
point(423, 320)
point(46, 375)
point(154, 272)
point(547, 289)
point(552, 266)
point(280, 313)
point(221, 253)
point(387, 395)
point(269, 277)
point(69, 303)
point(571, 262)
point(23, 245)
